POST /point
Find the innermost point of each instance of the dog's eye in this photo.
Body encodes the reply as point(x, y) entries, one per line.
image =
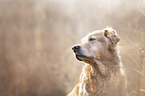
point(92, 39)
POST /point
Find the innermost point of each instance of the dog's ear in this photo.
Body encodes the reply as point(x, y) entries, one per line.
point(115, 38)
point(111, 34)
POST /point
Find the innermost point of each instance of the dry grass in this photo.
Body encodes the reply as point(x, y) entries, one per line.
point(36, 38)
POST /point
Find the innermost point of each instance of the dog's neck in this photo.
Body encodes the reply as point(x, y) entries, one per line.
point(104, 65)
point(90, 79)
point(100, 70)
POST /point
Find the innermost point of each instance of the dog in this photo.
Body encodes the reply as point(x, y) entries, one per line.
point(103, 73)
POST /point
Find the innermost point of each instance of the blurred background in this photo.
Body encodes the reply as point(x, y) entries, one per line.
point(36, 37)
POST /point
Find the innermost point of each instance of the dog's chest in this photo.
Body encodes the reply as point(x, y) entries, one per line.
point(97, 85)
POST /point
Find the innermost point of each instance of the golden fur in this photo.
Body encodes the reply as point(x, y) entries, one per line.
point(103, 74)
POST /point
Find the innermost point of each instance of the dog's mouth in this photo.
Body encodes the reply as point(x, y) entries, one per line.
point(81, 57)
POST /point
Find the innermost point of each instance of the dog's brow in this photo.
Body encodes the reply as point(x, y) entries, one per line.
point(92, 36)
point(83, 39)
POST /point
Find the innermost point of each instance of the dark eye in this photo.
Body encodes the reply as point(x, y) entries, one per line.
point(92, 39)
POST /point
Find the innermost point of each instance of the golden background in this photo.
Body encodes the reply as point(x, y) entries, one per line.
point(36, 37)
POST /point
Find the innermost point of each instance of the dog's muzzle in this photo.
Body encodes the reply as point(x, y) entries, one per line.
point(79, 55)
point(77, 50)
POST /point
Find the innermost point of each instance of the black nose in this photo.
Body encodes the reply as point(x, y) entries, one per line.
point(76, 48)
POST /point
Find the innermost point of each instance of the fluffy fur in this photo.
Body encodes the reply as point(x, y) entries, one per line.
point(102, 74)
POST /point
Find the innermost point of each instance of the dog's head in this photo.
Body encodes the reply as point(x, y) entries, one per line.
point(97, 45)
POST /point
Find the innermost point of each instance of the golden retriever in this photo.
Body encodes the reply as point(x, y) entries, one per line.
point(102, 74)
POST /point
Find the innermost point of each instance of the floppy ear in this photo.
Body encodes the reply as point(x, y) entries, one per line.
point(114, 38)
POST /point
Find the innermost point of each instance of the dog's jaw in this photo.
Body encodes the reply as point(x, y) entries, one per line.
point(84, 58)
point(79, 57)
point(96, 64)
